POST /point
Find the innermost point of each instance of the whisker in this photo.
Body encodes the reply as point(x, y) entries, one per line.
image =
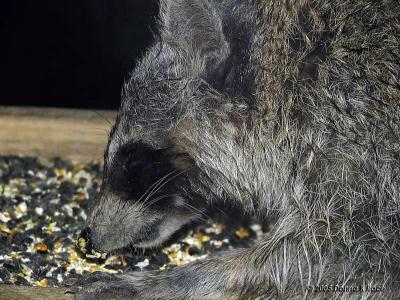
point(155, 189)
point(190, 207)
point(168, 180)
point(155, 200)
point(159, 181)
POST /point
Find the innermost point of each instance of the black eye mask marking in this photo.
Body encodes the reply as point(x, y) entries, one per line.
point(138, 171)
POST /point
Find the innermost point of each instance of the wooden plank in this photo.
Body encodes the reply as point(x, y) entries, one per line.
point(14, 292)
point(80, 135)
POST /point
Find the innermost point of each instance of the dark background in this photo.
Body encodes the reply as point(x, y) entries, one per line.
point(71, 53)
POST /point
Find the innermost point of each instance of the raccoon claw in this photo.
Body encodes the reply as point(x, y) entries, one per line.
point(98, 286)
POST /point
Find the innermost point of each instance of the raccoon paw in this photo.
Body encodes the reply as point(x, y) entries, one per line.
point(98, 286)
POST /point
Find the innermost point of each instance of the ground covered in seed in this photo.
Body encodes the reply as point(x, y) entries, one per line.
point(43, 205)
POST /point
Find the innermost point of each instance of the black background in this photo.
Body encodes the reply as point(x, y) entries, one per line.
point(71, 53)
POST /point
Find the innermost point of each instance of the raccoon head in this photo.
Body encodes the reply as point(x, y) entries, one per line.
point(145, 197)
point(149, 187)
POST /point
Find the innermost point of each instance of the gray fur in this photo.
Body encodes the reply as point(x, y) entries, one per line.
point(290, 110)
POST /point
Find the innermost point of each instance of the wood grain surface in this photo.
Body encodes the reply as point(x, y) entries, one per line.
point(80, 135)
point(13, 292)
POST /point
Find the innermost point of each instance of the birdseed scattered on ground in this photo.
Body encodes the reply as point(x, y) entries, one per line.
point(43, 206)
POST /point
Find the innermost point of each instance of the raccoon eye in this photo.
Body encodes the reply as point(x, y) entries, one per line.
point(136, 166)
point(142, 169)
point(137, 171)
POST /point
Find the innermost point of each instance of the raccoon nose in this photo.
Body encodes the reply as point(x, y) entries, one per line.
point(84, 243)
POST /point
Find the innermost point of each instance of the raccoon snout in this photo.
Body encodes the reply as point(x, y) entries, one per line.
point(84, 243)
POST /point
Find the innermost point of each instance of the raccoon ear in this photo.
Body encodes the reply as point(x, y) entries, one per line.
point(195, 24)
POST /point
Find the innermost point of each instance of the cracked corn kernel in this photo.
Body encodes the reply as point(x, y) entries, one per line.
point(44, 282)
point(42, 247)
point(242, 233)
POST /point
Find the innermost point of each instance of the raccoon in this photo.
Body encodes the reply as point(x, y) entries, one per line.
point(288, 110)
